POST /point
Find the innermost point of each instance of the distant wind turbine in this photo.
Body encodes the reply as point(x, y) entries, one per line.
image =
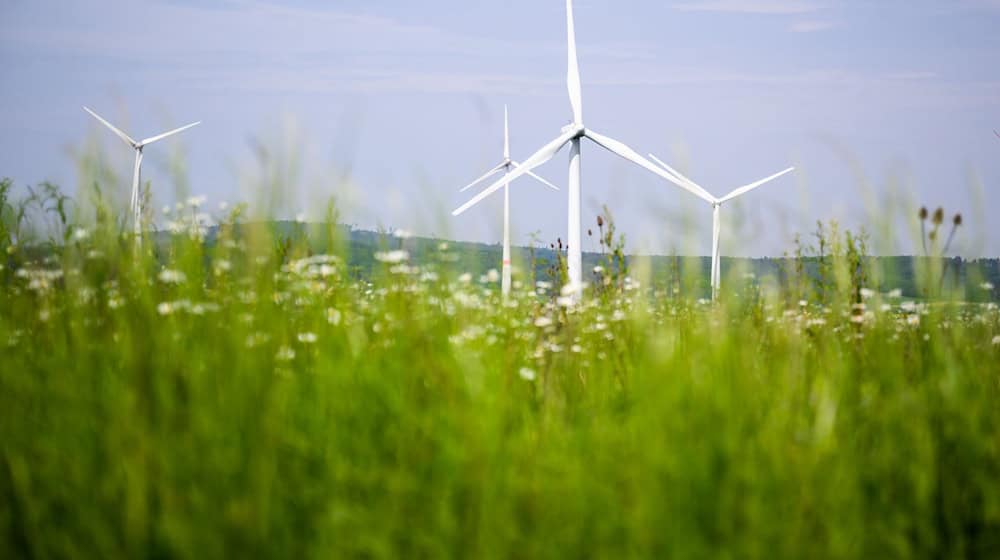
point(717, 203)
point(135, 205)
point(572, 134)
point(505, 165)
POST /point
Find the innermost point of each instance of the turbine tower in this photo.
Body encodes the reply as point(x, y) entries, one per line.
point(573, 134)
point(135, 204)
point(505, 165)
point(717, 203)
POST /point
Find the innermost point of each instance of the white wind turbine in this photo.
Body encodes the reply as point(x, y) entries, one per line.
point(572, 134)
point(717, 203)
point(135, 204)
point(505, 165)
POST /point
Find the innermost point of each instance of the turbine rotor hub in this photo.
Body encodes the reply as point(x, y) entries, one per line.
point(573, 127)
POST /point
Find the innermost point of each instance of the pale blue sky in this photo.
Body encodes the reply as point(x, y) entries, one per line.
point(876, 102)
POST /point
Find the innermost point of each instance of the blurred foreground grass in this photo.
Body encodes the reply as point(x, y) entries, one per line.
point(252, 398)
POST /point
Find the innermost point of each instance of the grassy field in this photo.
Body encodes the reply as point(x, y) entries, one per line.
point(253, 398)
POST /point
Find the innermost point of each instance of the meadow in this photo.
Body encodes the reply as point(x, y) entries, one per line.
point(256, 396)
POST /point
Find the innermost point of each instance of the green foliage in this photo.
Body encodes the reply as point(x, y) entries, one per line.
point(244, 391)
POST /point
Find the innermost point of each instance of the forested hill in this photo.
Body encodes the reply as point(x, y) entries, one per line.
point(477, 258)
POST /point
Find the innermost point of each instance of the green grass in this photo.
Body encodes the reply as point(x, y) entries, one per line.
point(240, 400)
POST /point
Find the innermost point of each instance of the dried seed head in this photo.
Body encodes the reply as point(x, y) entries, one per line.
point(939, 216)
point(923, 212)
point(958, 220)
point(600, 221)
point(589, 233)
point(932, 235)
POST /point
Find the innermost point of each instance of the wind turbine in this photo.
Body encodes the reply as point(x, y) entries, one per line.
point(135, 204)
point(505, 165)
point(572, 134)
point(717, 203)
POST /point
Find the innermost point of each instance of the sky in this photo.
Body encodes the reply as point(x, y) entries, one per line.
point(390, 107)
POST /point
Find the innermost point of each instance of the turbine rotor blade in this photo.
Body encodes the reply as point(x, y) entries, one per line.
point(704, 194)
point(747, 188)
point(543, 155)
point(542, 181)
point(128, 139)
point(165, 134)
point(536, 177)
point(620, 149)
point(573, 70)
point(485, 176)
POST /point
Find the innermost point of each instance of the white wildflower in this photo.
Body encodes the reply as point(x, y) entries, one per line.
point(576, 349)
point(196, 201)
point(402, 234)
point(598, 269)
point(285, 354)
point(988, 286)
point(164, 308)
point(543, 322)
point(465, 278)
point(996, 340)
point(913, 320)
point(896, 293)
point(493, 276)
point(527, 374)
point(168, 276)
point(867, 293)
point(803, 303)
point(392, 257)
point(333, 316)
point(307, 337)
point(79, 234)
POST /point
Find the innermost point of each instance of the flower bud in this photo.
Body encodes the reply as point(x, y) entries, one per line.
point(939, 216)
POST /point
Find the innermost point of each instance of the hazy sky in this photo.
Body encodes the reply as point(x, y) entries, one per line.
point(394, 105)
